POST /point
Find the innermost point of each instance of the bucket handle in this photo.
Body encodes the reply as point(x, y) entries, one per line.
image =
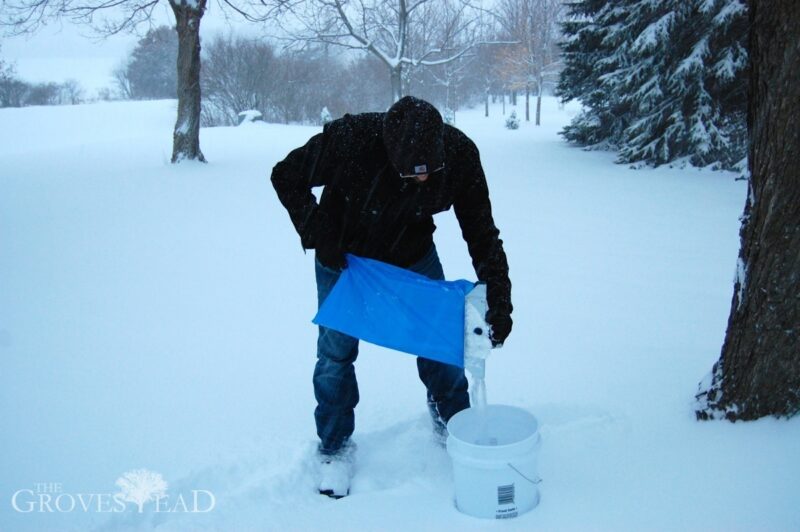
point(534, 482)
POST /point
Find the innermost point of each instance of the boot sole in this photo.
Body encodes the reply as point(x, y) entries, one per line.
point(332, 495)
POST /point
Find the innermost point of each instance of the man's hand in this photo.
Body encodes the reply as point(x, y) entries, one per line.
point(500, 325)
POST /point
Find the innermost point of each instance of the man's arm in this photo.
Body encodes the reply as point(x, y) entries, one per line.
point(293, 178)
point(474, 212)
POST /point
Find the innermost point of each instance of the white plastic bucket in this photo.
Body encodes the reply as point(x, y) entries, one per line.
point(496, 477)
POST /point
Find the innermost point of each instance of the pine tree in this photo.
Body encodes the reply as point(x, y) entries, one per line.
point(644, 47)
point(588, 56)
point(659, 79)
point(674, 87)
point(151, 70)
point(728, 75)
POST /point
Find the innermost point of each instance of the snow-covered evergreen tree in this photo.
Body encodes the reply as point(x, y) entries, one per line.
point(589, 55)
point(659, 79)
point(325, 116)
point(677, 80)
point(727, 75)
point(512, 122)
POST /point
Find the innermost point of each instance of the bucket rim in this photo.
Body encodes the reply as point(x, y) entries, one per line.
point(533, 438)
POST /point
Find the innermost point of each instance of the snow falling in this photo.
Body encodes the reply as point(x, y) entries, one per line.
point(157, 316)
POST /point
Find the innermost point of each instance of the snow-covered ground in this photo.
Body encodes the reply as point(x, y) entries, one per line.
point(158, 316)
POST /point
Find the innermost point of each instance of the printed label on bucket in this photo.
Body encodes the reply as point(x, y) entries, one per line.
point(505, 496)
point(507, 513)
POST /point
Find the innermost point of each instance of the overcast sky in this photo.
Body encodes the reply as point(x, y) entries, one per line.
point(62, 51)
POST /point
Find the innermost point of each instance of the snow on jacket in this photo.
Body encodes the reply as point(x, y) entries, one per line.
point(370, 211)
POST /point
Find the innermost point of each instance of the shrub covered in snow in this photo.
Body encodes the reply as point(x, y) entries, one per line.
point(512, 122)
point(251, 115)
point(325, 116)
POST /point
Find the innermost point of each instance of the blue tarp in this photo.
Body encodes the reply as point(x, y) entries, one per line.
point(398, 309)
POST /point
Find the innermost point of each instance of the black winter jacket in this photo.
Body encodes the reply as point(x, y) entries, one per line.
point(370, 211)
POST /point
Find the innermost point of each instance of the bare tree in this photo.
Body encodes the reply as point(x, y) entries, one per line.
point(445, 22)
point(122, 81)
point(397, 32)
point(535, 61)
point(366, 95)
point(12, 89)
point(109, 17)
point(758, 373)
point(47, 93)
point(450, 76)
point(486, 68)
point(186, 137)
point(240, 74)
point(483, 75)
point(287, 85)
point(71, 92)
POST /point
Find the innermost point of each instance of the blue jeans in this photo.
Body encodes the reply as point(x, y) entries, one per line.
point(335, 385)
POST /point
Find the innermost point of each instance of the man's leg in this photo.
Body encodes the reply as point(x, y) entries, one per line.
point(446, 384)
point(335, 385)
point(447, 390)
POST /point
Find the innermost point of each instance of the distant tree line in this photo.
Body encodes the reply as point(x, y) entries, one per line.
point(285, 86)
point(15, 92)
point(295, 85)
point(410, 39)
point(659, 81)
point(462, 60)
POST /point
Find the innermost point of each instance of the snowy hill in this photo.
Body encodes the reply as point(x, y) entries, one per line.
point(158, 316)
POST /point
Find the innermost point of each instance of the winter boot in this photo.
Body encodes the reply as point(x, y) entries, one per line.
point(335, 472)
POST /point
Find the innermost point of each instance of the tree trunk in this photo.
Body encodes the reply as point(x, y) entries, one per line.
point(539, 106)
point(396, 74)
point(758, 373)
point(186, 137)
point(527, 103)
point(486, 106)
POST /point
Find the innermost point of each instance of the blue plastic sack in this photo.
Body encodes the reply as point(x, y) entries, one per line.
point(398, 309)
